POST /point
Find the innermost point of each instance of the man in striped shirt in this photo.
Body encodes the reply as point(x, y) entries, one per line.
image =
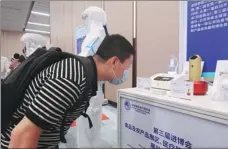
point(37, 122)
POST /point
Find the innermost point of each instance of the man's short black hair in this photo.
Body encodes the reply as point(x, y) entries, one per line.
point(115, 45)
point(16, 56)
point(21, 58)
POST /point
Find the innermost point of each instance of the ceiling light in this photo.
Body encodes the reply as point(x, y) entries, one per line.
point(40, 13)
point(39, 24)
point(37, 31)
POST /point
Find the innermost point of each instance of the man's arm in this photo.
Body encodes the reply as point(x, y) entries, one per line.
point(25, 135)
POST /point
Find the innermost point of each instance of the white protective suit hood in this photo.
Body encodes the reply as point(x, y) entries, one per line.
point(32, 42)
point(96, 21)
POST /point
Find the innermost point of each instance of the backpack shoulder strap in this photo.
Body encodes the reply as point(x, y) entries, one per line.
point(86, 62)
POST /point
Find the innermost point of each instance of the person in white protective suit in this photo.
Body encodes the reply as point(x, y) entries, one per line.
point(95, 21)
point(32, 42)
point(4, 66)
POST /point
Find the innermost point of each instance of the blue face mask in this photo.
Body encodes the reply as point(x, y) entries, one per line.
point(116, 81)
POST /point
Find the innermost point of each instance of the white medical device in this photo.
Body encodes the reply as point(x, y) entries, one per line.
point(220, 85)
point(161, 81)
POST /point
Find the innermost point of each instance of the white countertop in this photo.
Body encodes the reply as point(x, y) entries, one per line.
point(197, 103)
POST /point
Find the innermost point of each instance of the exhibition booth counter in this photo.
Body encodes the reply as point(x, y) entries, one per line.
point(147, 120)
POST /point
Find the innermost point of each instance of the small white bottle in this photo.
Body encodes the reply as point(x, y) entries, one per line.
point(173, 65)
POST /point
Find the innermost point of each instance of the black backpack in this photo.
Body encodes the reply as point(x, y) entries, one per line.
point(13, 87)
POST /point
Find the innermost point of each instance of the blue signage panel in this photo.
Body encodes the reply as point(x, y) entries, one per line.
point(207, 33)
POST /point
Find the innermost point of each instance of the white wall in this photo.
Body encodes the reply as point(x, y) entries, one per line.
point(10, 43)
point(157, 36)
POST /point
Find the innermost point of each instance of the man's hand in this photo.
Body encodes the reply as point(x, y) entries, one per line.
point(25, 135)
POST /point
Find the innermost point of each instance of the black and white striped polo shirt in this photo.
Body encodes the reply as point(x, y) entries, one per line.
point(47, 98)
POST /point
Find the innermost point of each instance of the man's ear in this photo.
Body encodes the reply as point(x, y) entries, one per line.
point(113, 60)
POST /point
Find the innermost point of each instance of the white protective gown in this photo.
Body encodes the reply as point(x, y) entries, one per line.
point(4, 67)
point(86, 137)
point(82, 136)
